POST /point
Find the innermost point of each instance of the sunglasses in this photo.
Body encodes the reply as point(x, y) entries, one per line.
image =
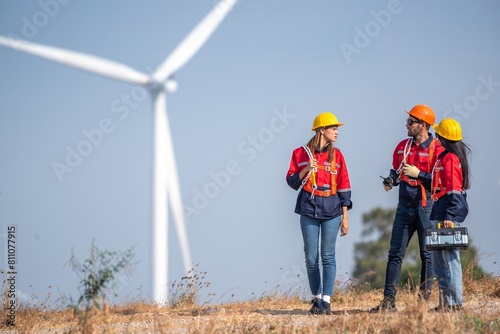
point(409, 121)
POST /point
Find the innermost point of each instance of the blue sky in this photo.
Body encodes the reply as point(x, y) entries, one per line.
point(244, 102)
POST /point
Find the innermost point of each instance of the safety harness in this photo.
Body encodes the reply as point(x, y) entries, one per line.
point(406, 178)
point(437, 191)
point(309, 182)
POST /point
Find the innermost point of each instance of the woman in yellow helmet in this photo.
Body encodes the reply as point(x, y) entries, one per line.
point(450, 180)
point(318, 170)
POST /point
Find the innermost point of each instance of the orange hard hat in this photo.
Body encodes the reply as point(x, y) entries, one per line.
point(423, 113)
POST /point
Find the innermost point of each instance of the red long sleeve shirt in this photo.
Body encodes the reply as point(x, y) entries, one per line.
point(448, 179)
point(320, 207)
point(421, 157)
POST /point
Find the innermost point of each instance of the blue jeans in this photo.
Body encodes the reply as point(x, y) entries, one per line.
point(448, 270)
point(311, 230)
point(409, 220)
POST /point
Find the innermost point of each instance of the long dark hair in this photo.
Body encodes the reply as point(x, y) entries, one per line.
point(462, 151)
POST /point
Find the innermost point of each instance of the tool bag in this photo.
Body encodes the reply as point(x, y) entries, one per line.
point(446, 238)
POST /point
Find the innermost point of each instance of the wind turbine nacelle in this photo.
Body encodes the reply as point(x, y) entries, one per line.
point(169, 86)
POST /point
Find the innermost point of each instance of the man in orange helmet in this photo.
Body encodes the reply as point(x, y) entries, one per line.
point(412, 164)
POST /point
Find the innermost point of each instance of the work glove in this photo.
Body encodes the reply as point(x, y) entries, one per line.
point(387, 182)
point(411, 170)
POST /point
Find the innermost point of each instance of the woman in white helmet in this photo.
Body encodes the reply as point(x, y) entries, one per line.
point(318, 170)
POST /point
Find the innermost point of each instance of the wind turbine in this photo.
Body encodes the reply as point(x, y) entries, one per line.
point(165, 178)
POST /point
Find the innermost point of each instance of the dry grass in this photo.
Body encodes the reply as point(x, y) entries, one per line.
point(281, 314)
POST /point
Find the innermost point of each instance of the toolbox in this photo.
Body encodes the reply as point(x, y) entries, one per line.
point(446, 238)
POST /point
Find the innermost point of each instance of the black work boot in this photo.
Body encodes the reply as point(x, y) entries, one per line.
point(317, 306)
point(386, 305)
point(326, 308)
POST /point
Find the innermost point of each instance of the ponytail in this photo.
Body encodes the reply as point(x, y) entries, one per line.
point(314, 142)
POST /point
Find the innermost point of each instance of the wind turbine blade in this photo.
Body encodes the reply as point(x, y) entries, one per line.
point(82, 61)
point(160, 205)
point(194, 41)
point(175, 199)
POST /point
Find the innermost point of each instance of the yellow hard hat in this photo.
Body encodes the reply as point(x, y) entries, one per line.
point(449, 129)
point(325, 119)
